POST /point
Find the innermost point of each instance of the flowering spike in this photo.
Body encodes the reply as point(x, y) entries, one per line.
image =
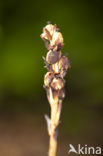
point(57, 66)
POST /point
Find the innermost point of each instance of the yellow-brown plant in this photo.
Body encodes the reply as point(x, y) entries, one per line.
point(57, 66)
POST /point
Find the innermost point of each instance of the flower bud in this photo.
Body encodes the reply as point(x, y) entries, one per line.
point(61, 94)
point(64, 63)
point(53, 56)
point(57, 83)
point(48, 78)
point(51, 28)
point(55, 68)
point(57, 39)
point(48, 31)
point(61, 66)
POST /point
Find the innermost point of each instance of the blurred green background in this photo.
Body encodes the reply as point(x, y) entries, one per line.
point(22, 98)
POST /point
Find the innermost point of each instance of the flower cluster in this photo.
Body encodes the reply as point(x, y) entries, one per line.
point(56, 63)
point(57, 66)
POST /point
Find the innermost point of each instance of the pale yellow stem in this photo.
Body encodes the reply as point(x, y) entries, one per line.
point(52, 146)
point(53, 138)
point(54, 125)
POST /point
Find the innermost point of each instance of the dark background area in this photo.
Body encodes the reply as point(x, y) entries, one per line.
point(23, 101)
